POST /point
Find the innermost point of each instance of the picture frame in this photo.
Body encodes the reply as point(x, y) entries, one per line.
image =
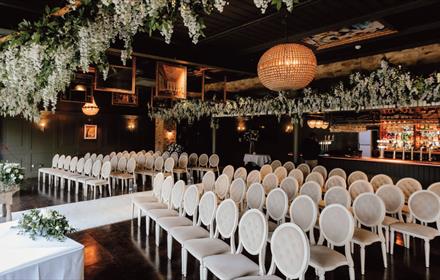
point(90, 132)
point(120, 79)
point(171, 81)
point(124, 99)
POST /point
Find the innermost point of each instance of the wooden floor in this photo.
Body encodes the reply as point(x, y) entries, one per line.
point(122, 251)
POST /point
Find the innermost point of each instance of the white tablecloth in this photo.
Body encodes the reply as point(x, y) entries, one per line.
point(23, 258)
point(260, 160)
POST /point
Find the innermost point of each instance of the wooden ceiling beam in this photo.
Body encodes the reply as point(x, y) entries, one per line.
point(419, 55)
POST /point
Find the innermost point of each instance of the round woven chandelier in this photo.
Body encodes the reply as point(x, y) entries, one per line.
point(287, 67)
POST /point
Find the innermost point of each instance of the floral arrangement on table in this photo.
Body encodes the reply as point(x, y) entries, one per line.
point(11, 176)
point(40, 59)
point(251, 136)
point(174, 147)
point(386, 87)
point(46, 223)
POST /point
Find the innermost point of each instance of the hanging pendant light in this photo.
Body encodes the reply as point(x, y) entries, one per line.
point(90, 108)
point(287, 67)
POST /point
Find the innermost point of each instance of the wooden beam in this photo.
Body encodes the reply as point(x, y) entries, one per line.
point(225, 92)
point(420, 55)
point(203, 85)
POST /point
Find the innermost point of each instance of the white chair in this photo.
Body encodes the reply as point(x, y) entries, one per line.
point(182, 166)
point(165, 155)
point(356, 175)
point(154, 197)
point(207, 208)
point(58, 174)
point(163, 203)
point(277, 205)
point(202, 164)
point(408, 186)
point(379, 180)
point(175, 156)
point(95, 176)
point(169, 166)
point(148, 168)
point(100, 157)
point(305, 169)
point(252, 232)
point(226, 220)
point(190, 203)
point(128, 178)
point(104, 180)
point(290, 254)
point(229, 171)
point(394, 199)
point(316, 177)
point(358, 187)
point(298, 175)
point(255, 196)
point(221, 186)
point(264, 170)
point(304, 212)
point(424, 206)
point(93, 157)
point(289, 166)
point(42, 172)
point(241, 172)
point(208, 182)
point(214, 161)
point(337, 195)
point(192, 163)
point(321, 170)
point(71, 172)
point(237, 192)
point(313, 190)
point(275, 164)
point(253, 177)
point(435, 188)
point(78, 172)
point(106, 158)
point(86, 156)
point(270, 182)
point(290, 186)
point(281, 173)
point(339, 172)
point(88, 166)
point(369, 211)
point(336, 226)
point(112, 154)
point(335, 181)
point(120, 169)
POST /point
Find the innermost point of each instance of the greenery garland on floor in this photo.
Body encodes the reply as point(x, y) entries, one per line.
point(385, 87)
point(39, 61)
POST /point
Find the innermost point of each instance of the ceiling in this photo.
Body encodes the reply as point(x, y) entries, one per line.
point(236, 38)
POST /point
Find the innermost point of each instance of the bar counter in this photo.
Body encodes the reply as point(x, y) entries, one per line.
point(426, 172)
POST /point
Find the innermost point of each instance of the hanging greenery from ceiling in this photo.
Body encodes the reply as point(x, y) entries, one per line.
point(39, 61)
point(387, 87)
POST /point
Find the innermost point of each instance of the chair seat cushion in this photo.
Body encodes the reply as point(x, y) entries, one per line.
point(179, 170)
point(231, 266)
point(364, 237)
point(416, 230)
point(167, 223)
point(144, 199)
point(182, 234)
point(155, 214)
point(124, 176)
point(387, 221)
point(200, 248)
point(152, 205)
point(84, 179)
point(324, 258)
point(97, 182)
point(146, 172)
point(265, 277)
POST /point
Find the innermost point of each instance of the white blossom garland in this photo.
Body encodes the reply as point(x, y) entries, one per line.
point(384, 88)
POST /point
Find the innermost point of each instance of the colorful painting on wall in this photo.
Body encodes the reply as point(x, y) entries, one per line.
point(347, 35)
point(90, 131)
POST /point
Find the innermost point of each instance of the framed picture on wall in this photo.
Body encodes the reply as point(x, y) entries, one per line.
point(90, 131)
point(123, 99)
point(170, 81)
point(120, 78)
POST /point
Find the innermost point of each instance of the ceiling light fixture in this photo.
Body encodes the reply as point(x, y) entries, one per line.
point(90, 108)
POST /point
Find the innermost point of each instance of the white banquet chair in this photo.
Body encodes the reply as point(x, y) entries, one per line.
point(379, 180)
point(289, 166)
point(95, 175)
point(226, 221)
point(424, 206)
point(435, 188)
point(182, 167)
point(270, 182)
point(169, 166)
point(298, 175)
point(358, 187)
point(290, 186)
point(253, 177)
point(72, 171)
point(281, 173)
point(128, 178)
point(277, 205)
point(335, 181)
point(337, 195)
point(154, 197)
point(356, 175)
point(237, 192)
point(313, 190)
point(87, 172)
point(264, 170)
point(229, 171)
point(305, 169)
point(78, 172)
point(252, 232)
point(275, 164)
point(339, 172)
point(208, 182)
point(315, 177)
point(221, 186)
point(321, 170)
point(43, 171)
point(336, 227)
point(304, 212)
point(241, 172)
point(175, 156)
point(369, 211)
point(104, 180)
point(255, 197)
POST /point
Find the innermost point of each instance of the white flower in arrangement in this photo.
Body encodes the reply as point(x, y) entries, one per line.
point(45, 213)
point(8, 170)
point(262, 4)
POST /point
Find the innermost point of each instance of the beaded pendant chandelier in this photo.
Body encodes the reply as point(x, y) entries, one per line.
point(90, 108)
point(287, 67)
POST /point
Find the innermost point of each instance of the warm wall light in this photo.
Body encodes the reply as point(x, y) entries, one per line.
point(42, 124)
point(169, 135)
point(311, 123)
point(289, 128)
point(241, 125)
point(80, 87)
point(131, 126)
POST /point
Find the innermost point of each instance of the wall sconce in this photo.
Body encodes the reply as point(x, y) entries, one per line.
point(42, 124)
point(131, 125)
point(169, 135)
point(241, 125)
point(289, 128)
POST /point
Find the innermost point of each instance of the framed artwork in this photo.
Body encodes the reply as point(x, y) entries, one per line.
point(90, 131)
point(349, 34)
point(120, 79)
point(171, 81)
point(124, 99)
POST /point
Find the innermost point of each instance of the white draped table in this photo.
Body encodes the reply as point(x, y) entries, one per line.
point(23, 258)
point(260, 160)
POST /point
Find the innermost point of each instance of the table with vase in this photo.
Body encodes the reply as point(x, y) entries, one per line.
point(258, 159)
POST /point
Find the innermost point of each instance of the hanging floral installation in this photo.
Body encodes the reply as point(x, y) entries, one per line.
point(38, 61)
point(387, 87)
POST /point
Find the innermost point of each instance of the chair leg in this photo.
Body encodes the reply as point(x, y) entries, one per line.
point(384, 254)
point(350, 273)
point(362, 260)
point(387, 239)
point(427, 252)
point(203, 273)
point(147, 225)
point(157, 234)
point(184, 261)
point(139, 217)
point(94, 192)
point(132, 210)
point(169, 246)
point(392, 242)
